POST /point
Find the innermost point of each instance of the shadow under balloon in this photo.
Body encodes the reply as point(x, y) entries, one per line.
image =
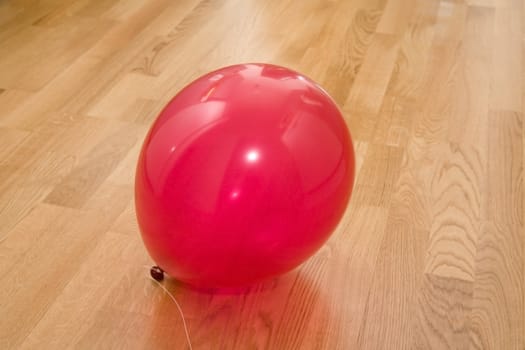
point(284, 312)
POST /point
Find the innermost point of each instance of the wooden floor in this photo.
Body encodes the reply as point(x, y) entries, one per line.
point(430, 253)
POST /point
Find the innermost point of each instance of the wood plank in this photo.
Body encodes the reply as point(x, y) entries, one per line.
point(372, 80)
point(60, 326)
point(23, 67)
point(496, 319)
point(377, 176)
point(496, 323)
point(507, 71)
point(390, 311)
point(444, 308)
point(69, 92)
point(77, 186)
point(42, 276)
point(456, 185)
point(9, 140)
point(45, 158)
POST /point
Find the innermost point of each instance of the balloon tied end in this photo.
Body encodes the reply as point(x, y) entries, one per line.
point(157, 273)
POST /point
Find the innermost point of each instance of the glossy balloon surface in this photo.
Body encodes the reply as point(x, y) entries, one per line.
point(243, 176)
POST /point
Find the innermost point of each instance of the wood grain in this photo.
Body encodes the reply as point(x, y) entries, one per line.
point(430, 253)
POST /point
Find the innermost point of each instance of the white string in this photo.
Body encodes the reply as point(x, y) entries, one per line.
point(178, 307)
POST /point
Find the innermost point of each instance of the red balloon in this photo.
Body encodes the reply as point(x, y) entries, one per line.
point(243, 176)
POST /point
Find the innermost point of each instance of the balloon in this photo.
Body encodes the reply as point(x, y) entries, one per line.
point(243, 176)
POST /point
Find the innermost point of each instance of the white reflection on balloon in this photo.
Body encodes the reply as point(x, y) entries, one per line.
point(252, 156)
